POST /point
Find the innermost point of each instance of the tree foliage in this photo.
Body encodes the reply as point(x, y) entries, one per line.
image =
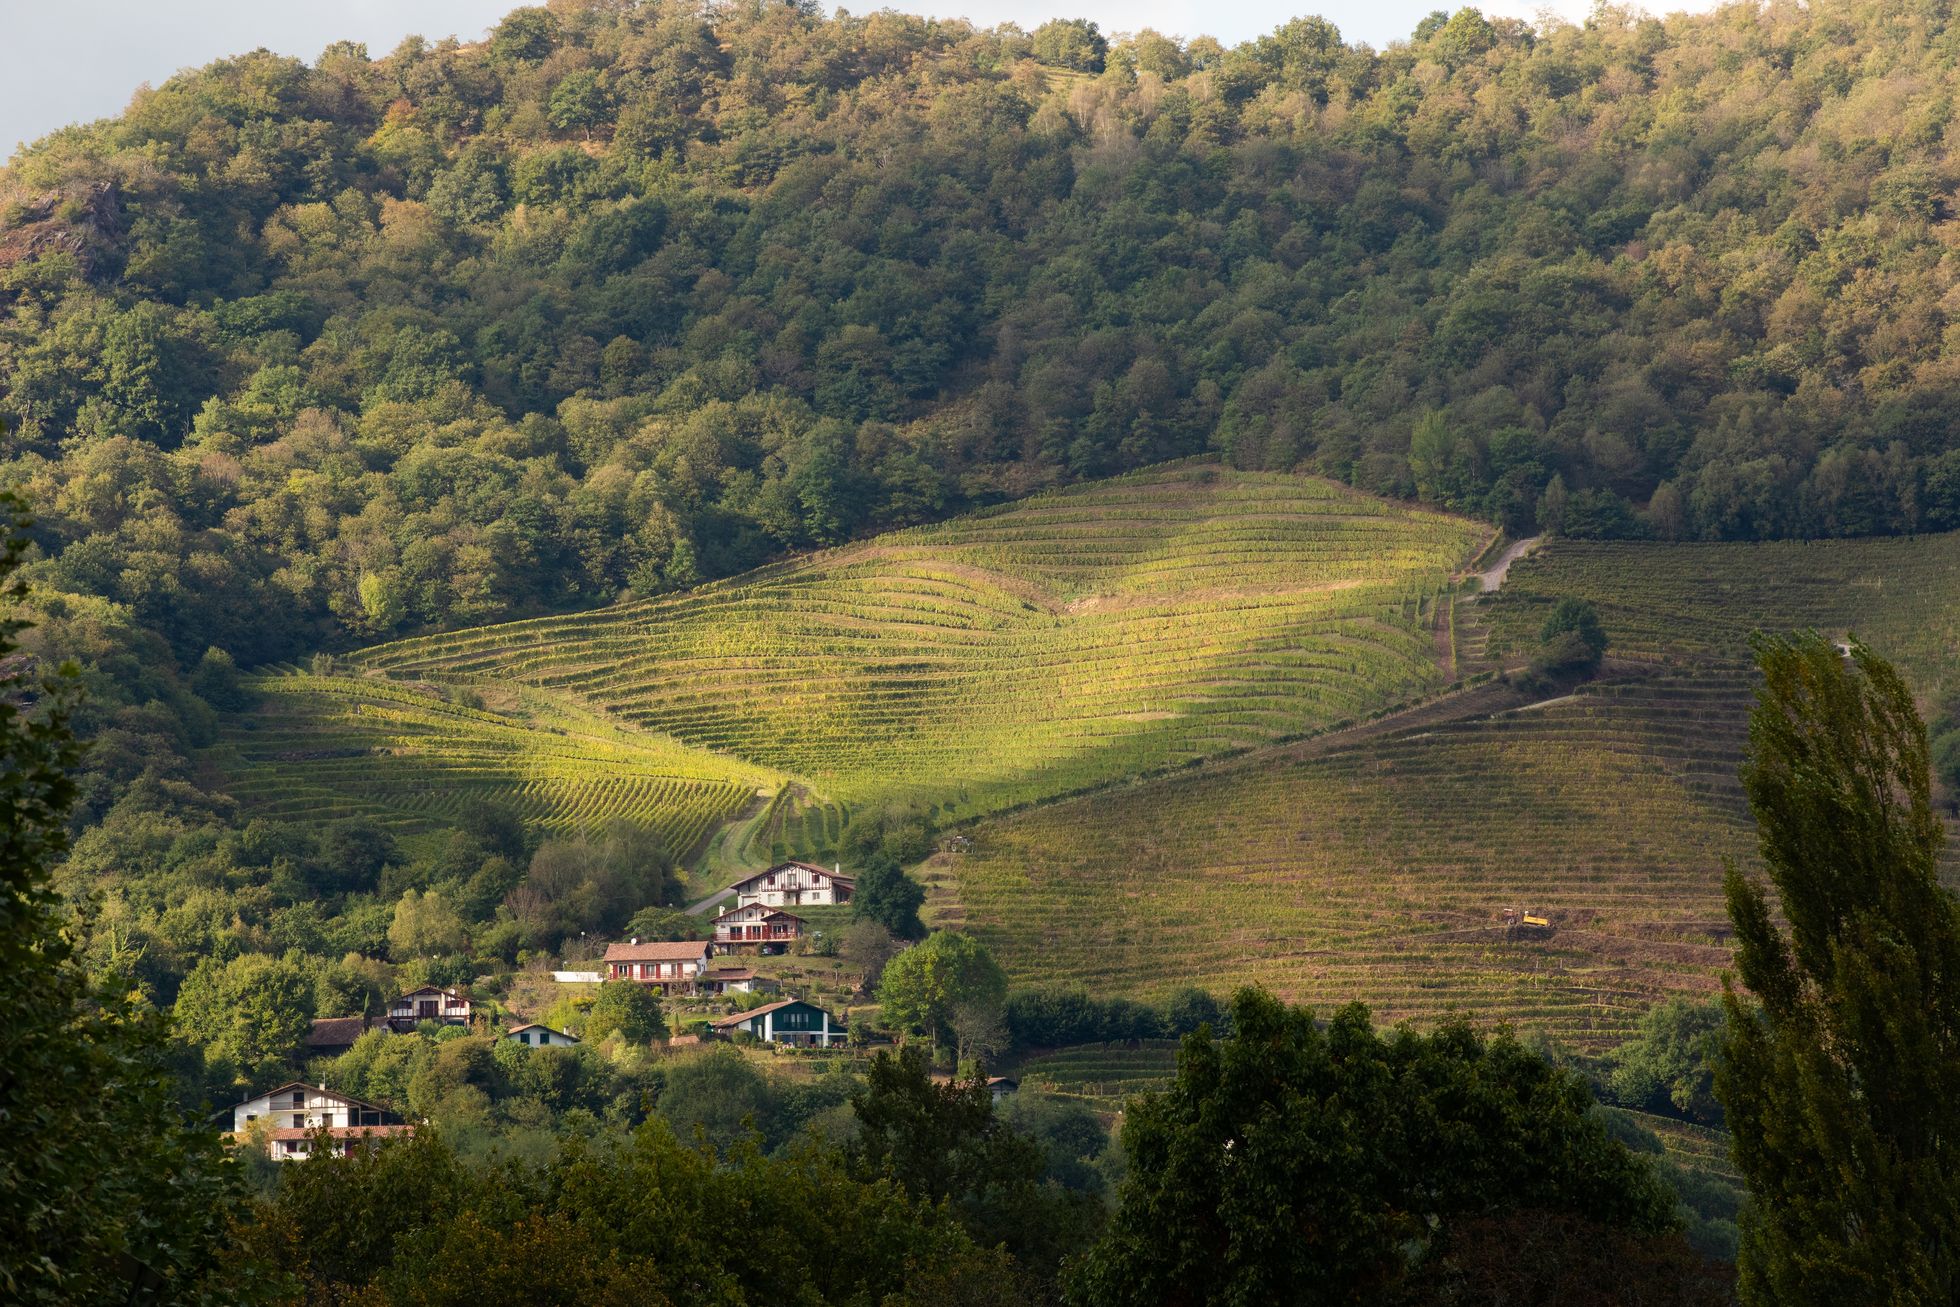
point(106, 1194)
point(1295, 1165)
point(924, 988)
point(1842, 1079)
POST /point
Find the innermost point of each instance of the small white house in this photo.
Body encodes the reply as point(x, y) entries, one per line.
point(578, 977)
point(295, 1111)
point(796, 884)
point(450, 1007)
point(537, 1036)
point(788, 1021)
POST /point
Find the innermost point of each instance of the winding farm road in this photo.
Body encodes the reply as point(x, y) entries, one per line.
point(1493, 576)
point(710, 901)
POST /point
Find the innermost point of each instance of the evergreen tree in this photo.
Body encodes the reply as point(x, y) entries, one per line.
point(886, 895)
point(1842, 1083)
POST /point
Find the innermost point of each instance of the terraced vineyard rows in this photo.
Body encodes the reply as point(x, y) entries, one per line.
point(1103, 1074)
point(1377, 871)
point(1699, 602)
point(322, 747)
point(1066, 640)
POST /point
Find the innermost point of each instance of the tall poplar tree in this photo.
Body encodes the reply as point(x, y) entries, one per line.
point(1842, 1079)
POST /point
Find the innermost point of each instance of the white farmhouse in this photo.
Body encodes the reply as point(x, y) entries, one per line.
point(537, 1036)
point(794, 885)
point(295, 1111)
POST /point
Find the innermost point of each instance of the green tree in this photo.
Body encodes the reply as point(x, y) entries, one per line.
point(1070, 43)
point(889, 897)
point(628, 1009)
point(246, 1016)
point(425, 926)
point(1570, 643)
point(924, 987)
point(1295, 1165)
point(106, 1194)
point(579, 103)
point(944, 1143)
point(1842, 1080)
point(1669, 1064)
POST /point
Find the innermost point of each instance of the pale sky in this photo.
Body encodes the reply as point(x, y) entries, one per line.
point(80, 59)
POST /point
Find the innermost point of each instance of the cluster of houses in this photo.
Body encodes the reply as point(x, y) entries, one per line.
point(759, 923)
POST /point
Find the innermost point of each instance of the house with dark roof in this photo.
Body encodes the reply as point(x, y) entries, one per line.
point(296, 1112)
point(533, 1035)
point(332, 1036)
point(673, 968)
point(796, 884)
point(449, 1007)
point(756, 928)
point(787, 1021)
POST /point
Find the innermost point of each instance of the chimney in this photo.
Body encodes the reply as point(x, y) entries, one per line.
point(836, 868)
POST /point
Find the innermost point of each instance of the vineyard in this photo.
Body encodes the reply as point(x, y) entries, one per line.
point(1377, 869)
point(1060, 642)
point(411, 756)
point(1104, 1075)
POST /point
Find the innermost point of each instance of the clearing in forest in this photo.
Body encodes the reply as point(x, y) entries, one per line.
point(1059, 642)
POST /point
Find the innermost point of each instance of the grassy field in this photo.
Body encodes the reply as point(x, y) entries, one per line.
point(1376, 868)
point(1063, 641)
point(411, 755)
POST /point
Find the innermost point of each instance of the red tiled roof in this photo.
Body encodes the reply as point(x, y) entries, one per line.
point(682, 951)
point(730, 973)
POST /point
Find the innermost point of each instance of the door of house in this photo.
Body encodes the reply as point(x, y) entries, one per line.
point(425, 1009)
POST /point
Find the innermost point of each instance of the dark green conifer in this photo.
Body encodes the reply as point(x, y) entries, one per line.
point(1841, 1081)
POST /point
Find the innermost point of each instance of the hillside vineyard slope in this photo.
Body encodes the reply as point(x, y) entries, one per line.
point(1377, 867)
point(1067, 640)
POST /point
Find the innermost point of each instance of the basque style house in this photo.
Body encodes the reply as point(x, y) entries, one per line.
point(673, 968)
point(756, 928)
point(451, 1007)
point(789, 1021)
point(297, 1110)
point(795, 884)
point(537, 1036)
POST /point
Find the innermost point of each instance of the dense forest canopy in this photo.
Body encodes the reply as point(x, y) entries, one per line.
point(633, 294)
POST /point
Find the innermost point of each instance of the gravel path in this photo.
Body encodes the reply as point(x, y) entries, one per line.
point(1494, 575)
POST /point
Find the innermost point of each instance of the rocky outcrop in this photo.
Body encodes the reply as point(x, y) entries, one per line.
point(84, 220)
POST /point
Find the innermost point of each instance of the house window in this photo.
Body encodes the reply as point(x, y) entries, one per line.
point(299, 1098)
point(523, 1036)
point(299, 1120)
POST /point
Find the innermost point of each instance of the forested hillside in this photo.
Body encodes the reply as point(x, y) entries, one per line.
point(627, 296)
